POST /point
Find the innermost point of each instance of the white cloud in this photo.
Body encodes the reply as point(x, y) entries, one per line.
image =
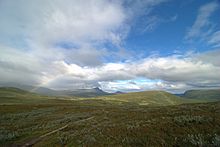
point(215, 39)
point(176, 71)
point(202, 25)
point(50, 43)
point(45, 28)
point(16, 66)
point(173, 72)
point(151, 23)
point(113, 86)
point(51, 21)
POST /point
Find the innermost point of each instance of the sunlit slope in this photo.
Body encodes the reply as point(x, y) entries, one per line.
point(15, 95)
point(9, 95)
point(208, 95)
point(158, 98)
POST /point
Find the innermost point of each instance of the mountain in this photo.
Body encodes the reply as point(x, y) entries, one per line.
point(209, 95)
point(16, 95)
point(34, 89)
point(151, 98)
point(50, 92)
point(118, 92)
point(4, 91)
point(94, 92)
point(155, 98)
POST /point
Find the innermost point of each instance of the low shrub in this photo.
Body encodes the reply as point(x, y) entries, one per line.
point(184, 120)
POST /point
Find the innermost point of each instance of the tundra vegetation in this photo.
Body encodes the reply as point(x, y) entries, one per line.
point(25, 117)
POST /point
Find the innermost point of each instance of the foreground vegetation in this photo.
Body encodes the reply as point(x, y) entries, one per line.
point(97, 122)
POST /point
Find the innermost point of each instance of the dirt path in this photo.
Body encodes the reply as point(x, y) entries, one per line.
point(36, 140)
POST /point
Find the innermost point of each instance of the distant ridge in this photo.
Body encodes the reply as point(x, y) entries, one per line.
point(94, 92)
point(118, 92)
point(208, 94)
point(13, 90)
point(151, 98)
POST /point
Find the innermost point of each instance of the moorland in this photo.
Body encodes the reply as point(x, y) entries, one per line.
point(150, 118)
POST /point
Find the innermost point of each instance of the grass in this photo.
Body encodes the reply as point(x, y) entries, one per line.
point(100, 122)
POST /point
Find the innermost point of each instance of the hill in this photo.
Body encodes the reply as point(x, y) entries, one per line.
point(11, 90)
point(151, 98)
point(155, 98)
point(11, 95)
point(118, 92)
point(208, 95)
point(93, 92)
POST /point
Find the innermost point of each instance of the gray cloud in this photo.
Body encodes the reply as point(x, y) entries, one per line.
point(177, 72)
point(51, 21)
point(49, 43)
point(16, 66)
point(173, 72)
point(44, 27)
point(86, 56)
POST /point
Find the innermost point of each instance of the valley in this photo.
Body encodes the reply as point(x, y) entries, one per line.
point(116, 120)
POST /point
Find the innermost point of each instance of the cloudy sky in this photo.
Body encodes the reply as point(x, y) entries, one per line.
point(126, 45)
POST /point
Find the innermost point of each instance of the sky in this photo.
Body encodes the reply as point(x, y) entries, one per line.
point(116, 45)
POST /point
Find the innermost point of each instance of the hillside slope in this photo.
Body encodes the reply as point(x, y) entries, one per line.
point(209, 95)
point(11, 95)
point(93, 92)
point(155, 98)
point(151, 98)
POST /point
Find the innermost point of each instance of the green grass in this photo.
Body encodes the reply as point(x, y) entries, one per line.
point(121, 120)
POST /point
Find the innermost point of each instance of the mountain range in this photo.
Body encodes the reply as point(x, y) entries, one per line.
point(93, 92)
point(145, 97)
point(152, 98)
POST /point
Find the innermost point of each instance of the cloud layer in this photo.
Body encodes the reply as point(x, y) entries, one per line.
point(175, 72)
point(79, 44)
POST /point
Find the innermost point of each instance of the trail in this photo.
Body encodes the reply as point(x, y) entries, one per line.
point(36, 140)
